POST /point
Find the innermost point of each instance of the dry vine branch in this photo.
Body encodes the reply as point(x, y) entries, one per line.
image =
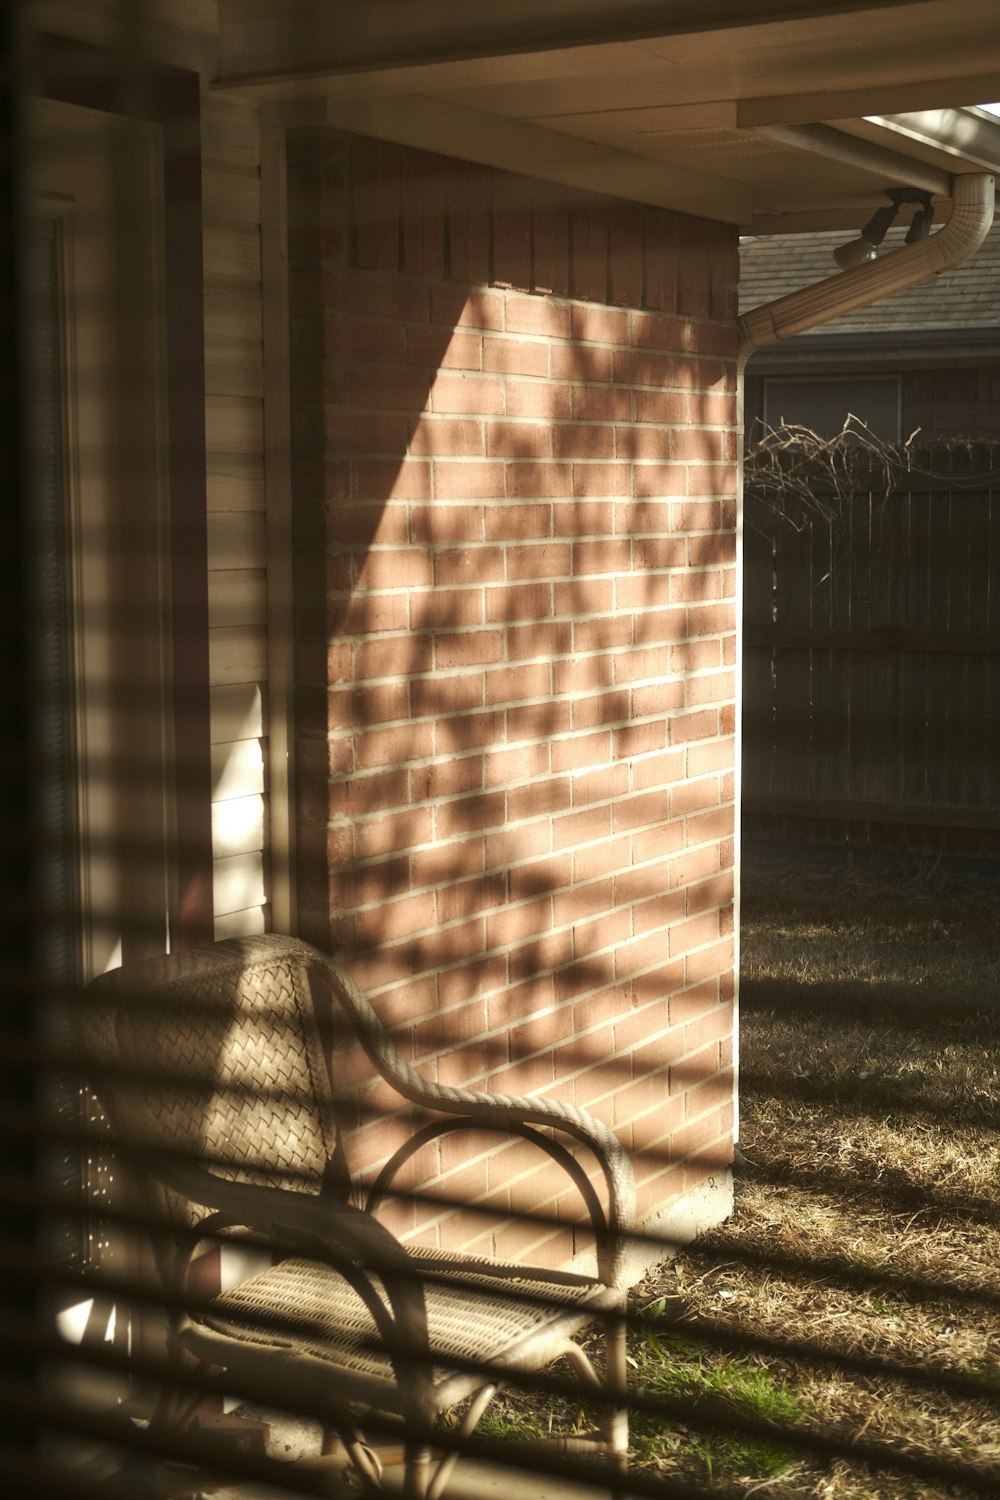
point(792, 476)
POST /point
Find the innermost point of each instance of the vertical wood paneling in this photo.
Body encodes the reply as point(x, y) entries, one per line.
point(875, 684)
point(235, 458)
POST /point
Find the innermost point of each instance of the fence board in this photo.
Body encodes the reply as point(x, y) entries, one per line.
point(871, 646)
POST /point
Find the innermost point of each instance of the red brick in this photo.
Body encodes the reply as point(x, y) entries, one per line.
point(602, 556)
point(703, 443)
point(639, 739)
point(657, 912)
point(511, 684)
point(541, 638)
point(717, 960)
point(396, 479)
point(532, 481)
point(716, 892)
point(713, 687)
point(395, 568)
point(604, 784)
point(385, 390)
point(537, 720)
point(705, 550)
point(581, 751)
point(696, 656)
point(581, 827)
point(537, 315)
point(542, 561)
point(441, 521)
point(358, 705)
point(599, 325)
point(435, 350)
point(468, 565)
point(516, 764)
point(365, 614)
point(692, 796)
point(591, 635)
point(641, 811)
point(578, 362)
point(376, 295)
point(444, 606)
point(515, 357)
point(642, 369)
point(356, 341)
point(666, 408)
point(654, 843)
point(518, 440)
point(652, 625)
point(467, 648)
point(452, 437)
point(540, 797)
point(711, 619)
point(602, 479)
point(601, 403)
point(658, 769)
point(393, 747)
point(583, 440)
point(657, 698)
point(365, 432)
point(447, 778)
point(696, 932)
point(537, 398)
point(600, 708)
point(469, 394)
point(609, 930)
point(652, 332)
point(519, 602)
point(471, 480)
point(477, 308)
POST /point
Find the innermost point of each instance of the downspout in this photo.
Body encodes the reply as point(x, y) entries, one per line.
point(964, 232)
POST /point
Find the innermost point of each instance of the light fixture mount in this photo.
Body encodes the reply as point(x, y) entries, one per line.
point(865, 248)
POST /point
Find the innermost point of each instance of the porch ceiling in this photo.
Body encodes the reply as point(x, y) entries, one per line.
point(685, 103)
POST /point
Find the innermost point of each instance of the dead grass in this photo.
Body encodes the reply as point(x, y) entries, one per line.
point(868, 1218)
point(855, 1292)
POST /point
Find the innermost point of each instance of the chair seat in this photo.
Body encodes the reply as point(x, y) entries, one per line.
point(477, 1311)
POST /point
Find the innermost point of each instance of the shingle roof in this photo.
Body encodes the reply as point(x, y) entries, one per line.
point(967, 297)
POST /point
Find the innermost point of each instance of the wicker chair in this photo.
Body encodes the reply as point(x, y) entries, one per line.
point(214, 1069)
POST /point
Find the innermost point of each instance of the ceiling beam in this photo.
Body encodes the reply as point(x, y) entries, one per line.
point(925, 93)
point(492, 140)
point(259, 39)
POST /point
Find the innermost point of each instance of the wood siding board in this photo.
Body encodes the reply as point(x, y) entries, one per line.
point(238, 826)
point(236, 540)
point(238, 882)
point(235, 483)
point(237, 769)
point(237, 712)
point(237, 596)
point(237, 654)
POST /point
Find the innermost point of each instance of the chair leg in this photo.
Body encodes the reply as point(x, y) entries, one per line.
point(614, 1423)
point(442, 1473)
point(417, 1472)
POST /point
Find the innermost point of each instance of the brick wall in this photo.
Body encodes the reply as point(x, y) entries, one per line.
point(515, 480)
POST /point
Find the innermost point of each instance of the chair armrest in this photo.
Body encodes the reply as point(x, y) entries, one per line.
point(495, 1111)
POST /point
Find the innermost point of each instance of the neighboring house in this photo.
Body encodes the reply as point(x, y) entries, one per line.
point(927, 360)
point(402, 458)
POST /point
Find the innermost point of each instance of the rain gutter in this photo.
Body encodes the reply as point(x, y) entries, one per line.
point(973, 194)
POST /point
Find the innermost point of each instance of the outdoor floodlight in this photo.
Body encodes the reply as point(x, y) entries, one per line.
point(865, 248)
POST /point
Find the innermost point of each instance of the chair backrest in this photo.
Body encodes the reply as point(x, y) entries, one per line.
point(218, 1055)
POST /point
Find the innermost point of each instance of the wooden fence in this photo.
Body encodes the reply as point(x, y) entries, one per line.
point(871, 665)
